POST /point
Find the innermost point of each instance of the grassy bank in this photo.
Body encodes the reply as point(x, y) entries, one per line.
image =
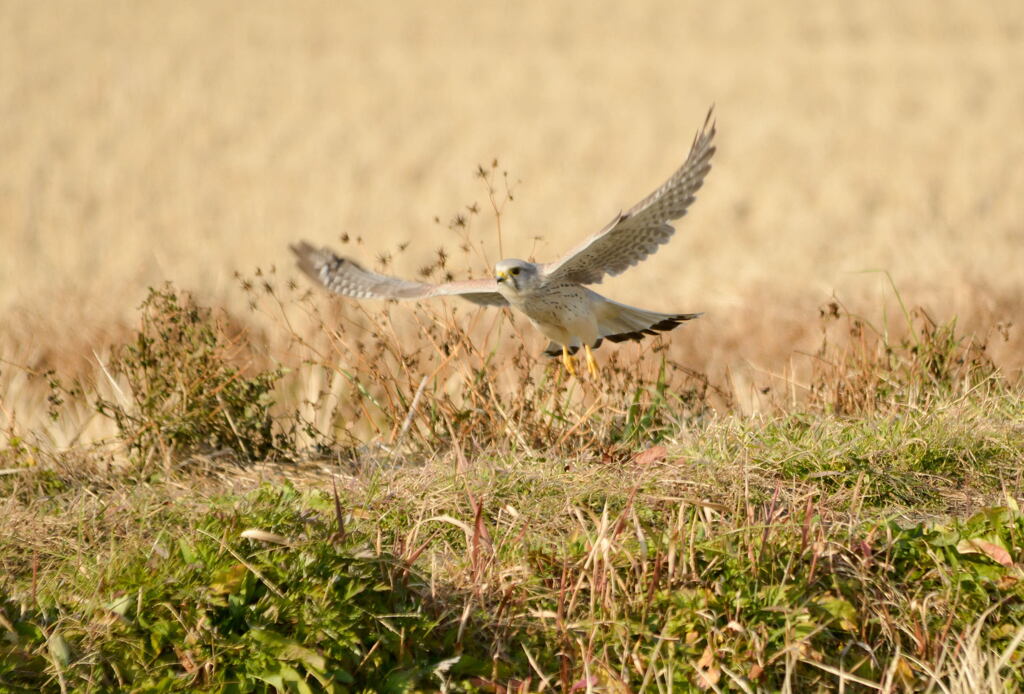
point(417, 522)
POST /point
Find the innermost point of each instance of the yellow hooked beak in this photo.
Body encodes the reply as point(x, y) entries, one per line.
point(501, 276)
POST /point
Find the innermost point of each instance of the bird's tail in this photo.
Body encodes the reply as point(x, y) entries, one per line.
point(618, 323)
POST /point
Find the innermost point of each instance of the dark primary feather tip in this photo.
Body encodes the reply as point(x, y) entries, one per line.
point(708, 129)
point(305, 253)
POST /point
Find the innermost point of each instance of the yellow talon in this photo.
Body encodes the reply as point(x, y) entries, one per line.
point(567, 360)
point(591, 362)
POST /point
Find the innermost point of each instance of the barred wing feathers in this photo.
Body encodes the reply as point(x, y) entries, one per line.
point(636, 234)
point(346, 277)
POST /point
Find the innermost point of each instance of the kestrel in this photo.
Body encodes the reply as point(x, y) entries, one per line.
point(553, 295)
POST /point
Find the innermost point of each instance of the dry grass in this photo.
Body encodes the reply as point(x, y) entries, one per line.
point(155, 142)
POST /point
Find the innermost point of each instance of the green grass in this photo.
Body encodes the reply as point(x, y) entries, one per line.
point(547, 535)
point(760, 553)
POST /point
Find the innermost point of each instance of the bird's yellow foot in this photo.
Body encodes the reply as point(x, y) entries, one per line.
point(591, 362)
point(567, 360)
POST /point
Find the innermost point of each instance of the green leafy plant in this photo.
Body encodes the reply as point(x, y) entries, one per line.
point(187, 391)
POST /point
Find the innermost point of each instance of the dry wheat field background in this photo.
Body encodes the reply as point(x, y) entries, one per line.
point(814, 487)
point(145, 142)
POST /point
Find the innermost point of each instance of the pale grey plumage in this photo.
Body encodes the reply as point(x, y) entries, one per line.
point(347, 277)
point(551, 294)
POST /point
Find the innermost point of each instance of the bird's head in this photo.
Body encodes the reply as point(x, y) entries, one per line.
point(515, 276)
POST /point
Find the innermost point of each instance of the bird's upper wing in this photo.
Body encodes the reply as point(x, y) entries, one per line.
point(346, 277)
point(636, 234)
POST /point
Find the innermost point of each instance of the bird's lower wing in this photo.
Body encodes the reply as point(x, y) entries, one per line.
point(636, 234)
point(346, 277)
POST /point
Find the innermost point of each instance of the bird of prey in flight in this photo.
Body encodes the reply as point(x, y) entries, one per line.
point(553, 295)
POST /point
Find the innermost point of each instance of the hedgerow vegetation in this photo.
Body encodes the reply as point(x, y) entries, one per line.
point(397, 509)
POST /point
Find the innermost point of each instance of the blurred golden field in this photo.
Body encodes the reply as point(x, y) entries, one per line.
point(144, 142)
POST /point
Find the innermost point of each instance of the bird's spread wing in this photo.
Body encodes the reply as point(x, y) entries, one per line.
point(346, 277)
point(636, 234)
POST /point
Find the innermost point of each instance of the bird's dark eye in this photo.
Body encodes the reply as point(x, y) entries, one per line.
point(514, 271)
